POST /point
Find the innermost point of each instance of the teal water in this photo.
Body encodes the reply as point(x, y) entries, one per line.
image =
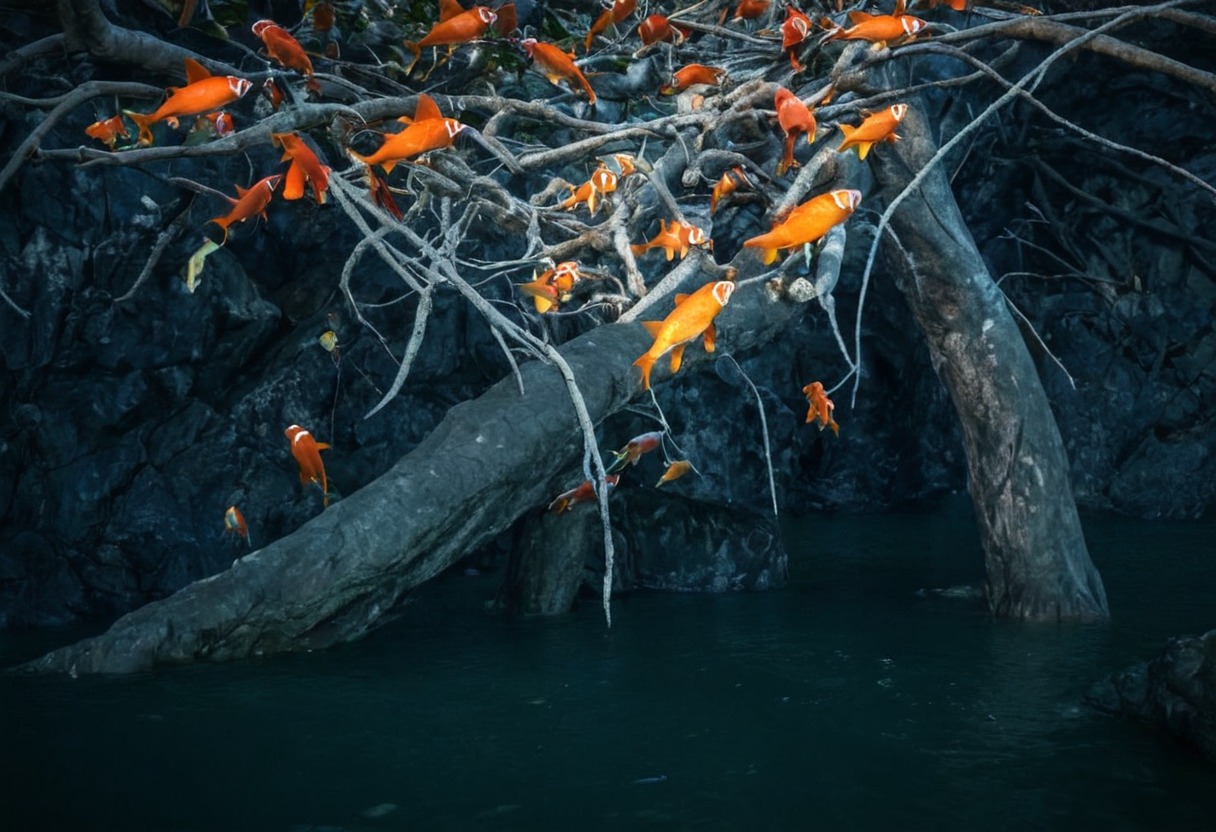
point(845, 701)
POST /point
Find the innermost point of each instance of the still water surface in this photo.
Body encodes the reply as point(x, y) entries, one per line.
point(845, 701)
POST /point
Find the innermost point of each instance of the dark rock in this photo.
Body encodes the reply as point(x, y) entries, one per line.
point(1176, 691)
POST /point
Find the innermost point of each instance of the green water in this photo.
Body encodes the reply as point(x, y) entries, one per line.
point(845, 701)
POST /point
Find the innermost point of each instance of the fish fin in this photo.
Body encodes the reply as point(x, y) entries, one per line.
point(681, 297)
point(646, 362)
point(711, 338)
point(144, 123)
point(859, 17)
point(427, 108)
point(770, 256)
point(294, 187)
point(863, 149)
point(848, 131)
point(195, 71)
point(834, 427)
point(388, 166)
point(543, 305)
point(240, 192)
point(638, 249)
point(677, 358)
point(670, 252)
point(222, 222)
point(414, 50)
point(653, 327)
point(323, 446)
point(449, 9)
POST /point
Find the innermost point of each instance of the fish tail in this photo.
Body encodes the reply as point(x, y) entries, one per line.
point(646, 362)
point(582, 79)
point(416, 51)
point(638, 249)
point(834, 427)
point(223, 223)
point(144, 123)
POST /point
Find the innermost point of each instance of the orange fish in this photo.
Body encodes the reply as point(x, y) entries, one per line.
point(203, 93)
point(795, 118)
point(455, 26)
point(807, 223)
point(285, 49)
point(556, 65)
point(428, 130)
point(307, 452)
point(879, 29)
point(750, 9)
point(627, 164)
point(879, 127)
point(692, 318)
point(821, 407)
point(322, 16)
point(634, 448)
point(250, 203)
point(305, 167)
point(679, 236)
point(674, 471)
point(221, 123)
point(234, 523)
point(108, 130)
point(552, 288)
point(602, 182)
point(274, 93)
point(616, 11)
point(583, 494)
point(727, 185)
point(685, 77)
point(657, 27)
point(794, 30)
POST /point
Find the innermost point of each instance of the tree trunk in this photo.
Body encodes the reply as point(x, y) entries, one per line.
point(1037, 563)
point(339, 576)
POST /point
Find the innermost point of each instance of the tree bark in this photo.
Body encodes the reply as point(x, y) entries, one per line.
point(1038, 566)
point(342, 573)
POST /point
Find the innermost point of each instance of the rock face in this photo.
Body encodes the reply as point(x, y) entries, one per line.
point(1176, 691)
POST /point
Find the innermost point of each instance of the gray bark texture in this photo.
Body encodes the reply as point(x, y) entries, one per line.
point(1037, 563)
point(341, 574)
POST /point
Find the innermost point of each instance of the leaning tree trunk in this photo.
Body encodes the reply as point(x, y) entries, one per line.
point(1037, 563)
point(342, 573)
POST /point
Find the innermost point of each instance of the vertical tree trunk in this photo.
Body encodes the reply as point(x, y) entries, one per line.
point(1037, 563)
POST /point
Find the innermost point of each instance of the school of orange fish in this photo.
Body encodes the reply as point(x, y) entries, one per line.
point(205, 96)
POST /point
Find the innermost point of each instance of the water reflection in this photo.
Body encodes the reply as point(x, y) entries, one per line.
point(846, 700)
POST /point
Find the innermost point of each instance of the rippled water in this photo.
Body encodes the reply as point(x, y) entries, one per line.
point(845, 701)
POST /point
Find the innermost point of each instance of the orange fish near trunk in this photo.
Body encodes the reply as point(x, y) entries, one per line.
point(807, 223)
point(556, 65)
point(821, 407)
point(692, 74)
point(285, 49)
point(585, 493)
point(634, 448)
point(879, 127)
point(305, 167)
point(429, 130)
point(673, 238)
point(203, 93)
point(692, 318)
point(307, 452)
point(878, 29)
point(250, 203)
point(795, 119)
point(108, 130)
point(454, 28)
point(617, 11)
